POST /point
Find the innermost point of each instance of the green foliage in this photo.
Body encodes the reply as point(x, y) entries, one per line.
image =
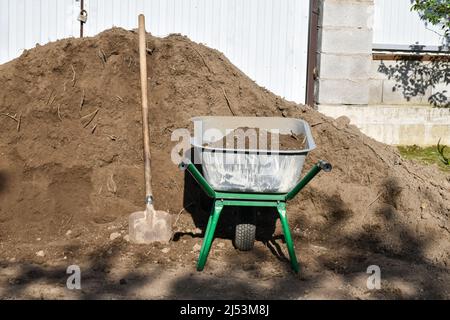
point(442, 156)
point(429, 155)
point(436, 12)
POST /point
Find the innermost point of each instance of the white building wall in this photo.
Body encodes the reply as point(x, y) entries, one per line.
point(396, 24)
point(24, 23)
point(266, 39)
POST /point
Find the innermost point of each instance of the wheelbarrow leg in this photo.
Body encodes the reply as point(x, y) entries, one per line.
point(209, 234)
point(287, 235)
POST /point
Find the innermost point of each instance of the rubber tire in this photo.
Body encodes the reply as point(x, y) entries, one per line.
point(244, 238)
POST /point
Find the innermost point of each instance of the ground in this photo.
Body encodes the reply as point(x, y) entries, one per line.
point(71, 172)
point(120, 270)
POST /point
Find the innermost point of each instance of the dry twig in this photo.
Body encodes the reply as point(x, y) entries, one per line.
point(228, 102)
point(130, 61)
point(14, 117)
point(111, 184)
point(74, 76)
point(19, 122)
point(374, 151)
point(91, 115)
point(293, 135)
point(112, 137)
point(82, 100)
point(52, 100)
point(102, 56)
point(415, 174)
point(178, 218)
point(49, 97)
point(374, 200)
point(316, 124)
point(59, 112)
point(203, 59)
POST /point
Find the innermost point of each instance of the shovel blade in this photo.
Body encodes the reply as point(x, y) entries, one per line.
point(150, 226)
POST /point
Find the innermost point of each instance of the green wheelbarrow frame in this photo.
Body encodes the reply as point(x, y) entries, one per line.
point(243, 199)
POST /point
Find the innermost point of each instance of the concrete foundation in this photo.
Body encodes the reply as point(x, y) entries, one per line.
point(397, 125)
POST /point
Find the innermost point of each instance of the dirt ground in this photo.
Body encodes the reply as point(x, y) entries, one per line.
point(71, 172)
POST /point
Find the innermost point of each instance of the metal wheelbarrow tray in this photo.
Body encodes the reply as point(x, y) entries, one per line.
point(249, 177)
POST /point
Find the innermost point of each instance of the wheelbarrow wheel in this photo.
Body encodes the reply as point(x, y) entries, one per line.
point(244, 238)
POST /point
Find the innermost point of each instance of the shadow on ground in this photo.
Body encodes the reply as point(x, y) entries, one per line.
point(3, 181)
point(257, 274)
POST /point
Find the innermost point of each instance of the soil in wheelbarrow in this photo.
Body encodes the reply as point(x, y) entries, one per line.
point(258, 139)
point(71, 171)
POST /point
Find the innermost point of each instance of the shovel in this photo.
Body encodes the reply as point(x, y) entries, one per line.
point(149, 225)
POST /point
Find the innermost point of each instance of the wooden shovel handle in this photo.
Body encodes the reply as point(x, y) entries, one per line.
point(145, 119)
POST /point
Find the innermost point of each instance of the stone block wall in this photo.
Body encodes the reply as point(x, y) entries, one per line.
point(400, 90)
point(376, 95)
point(345, 49)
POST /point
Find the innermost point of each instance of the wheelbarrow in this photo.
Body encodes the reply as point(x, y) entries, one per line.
point(249, 177)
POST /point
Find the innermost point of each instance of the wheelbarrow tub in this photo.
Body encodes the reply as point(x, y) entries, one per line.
point(249, 170)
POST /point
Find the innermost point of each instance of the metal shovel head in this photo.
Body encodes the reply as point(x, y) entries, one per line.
point(150, 226)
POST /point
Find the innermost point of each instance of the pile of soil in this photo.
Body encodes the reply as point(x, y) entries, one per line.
point(256, 139)
point(72, 172)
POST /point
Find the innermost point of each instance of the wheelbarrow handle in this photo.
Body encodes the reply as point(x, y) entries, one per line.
point(319, 166)
point(186, 164)
point(325, 166)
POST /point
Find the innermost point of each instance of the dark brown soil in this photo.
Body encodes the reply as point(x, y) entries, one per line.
point(256, 139)
point(71, 174)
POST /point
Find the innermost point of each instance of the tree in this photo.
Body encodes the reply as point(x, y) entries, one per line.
point(436, 12)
